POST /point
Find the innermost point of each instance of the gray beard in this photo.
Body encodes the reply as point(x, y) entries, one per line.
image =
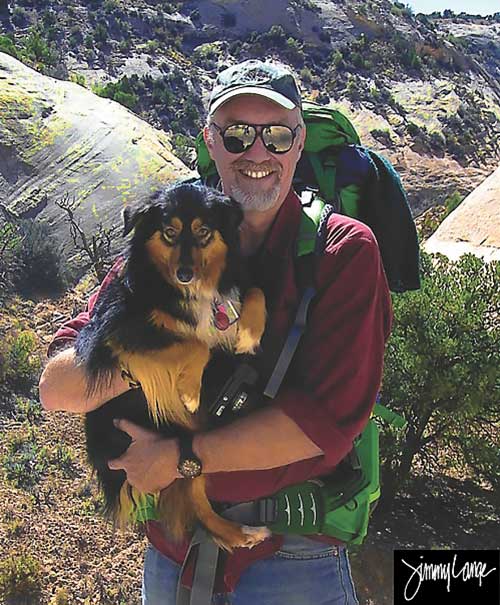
point(256, 201)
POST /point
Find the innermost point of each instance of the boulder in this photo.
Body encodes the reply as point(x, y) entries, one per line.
point(474, 226)
point(59, 139)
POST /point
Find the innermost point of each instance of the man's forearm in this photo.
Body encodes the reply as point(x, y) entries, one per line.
point(265, 439)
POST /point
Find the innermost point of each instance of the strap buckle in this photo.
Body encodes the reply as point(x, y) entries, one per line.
point(267, 510)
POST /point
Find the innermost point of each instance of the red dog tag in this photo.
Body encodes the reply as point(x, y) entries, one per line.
point(221, 319)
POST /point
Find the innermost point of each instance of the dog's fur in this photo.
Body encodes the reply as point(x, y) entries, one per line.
point(157, 324)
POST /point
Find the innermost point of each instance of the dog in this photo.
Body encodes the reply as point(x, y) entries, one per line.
point(158, 322)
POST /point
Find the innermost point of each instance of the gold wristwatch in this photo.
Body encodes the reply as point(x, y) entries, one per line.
point(190, 465)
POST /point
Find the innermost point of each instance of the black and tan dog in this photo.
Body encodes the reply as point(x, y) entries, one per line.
point(158, 321)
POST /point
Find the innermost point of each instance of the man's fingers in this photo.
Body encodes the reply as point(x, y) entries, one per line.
point(116, 464)
point(134, 430)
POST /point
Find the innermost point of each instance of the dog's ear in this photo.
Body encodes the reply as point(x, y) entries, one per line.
point(132, 217)
point(233, 213)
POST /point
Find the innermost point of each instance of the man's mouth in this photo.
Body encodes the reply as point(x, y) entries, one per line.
point(257, 174)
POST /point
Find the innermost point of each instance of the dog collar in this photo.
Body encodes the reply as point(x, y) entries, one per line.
point(224, 314)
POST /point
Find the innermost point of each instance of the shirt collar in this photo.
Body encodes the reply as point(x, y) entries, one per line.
point(282, 235)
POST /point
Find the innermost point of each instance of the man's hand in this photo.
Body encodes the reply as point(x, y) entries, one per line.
point(150, 460)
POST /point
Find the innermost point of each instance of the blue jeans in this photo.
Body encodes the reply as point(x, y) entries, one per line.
point(304, 572)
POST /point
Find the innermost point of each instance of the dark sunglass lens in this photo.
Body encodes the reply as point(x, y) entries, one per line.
point(239, 138)
point(277, 139)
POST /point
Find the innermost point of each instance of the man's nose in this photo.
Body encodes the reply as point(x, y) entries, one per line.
point(257, 152)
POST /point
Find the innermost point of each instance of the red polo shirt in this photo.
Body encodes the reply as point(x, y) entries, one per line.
point(337, 368)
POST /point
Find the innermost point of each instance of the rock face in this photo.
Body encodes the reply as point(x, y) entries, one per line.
point(474, 226)
point(57, 139)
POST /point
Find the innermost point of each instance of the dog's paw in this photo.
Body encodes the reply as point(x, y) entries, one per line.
point(254, 535)
point(244, 536)
point(246, 342)
point(190, 403)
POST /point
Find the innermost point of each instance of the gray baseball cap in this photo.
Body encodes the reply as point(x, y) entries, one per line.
point(271, 80)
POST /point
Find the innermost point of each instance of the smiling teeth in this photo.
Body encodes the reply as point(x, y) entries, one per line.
point(256, 175)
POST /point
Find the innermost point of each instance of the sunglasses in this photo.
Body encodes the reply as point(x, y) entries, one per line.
point(277, 138)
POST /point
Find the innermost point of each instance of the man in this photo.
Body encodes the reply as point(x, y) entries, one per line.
point(255, 134)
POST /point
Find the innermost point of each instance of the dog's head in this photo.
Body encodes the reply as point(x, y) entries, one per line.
point(187, 231)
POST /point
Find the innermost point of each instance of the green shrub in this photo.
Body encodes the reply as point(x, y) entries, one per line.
point(183, 147)
point(38, 51)
point(77, 79)
point(15, 528)
point(62, 597)
point(19, 360)
point(381, 134)
point(121, 91)
point(62, 458)
point(453, 201)
point(33, 49)
point(437, 140)
point(39, 259)
point(442, 372)
point(10, 244)
point(401, 10)
point(337, 58)
point(19, 16)
point(49, 17)
point(25, 462)
point(28, 410)
point(413, 129)
point(20, 579)
point(125, 45)
point(101, 33)
point(352, 88)
point(294, 51)
point(306, 75)
point(7, 46)
point(126, 99)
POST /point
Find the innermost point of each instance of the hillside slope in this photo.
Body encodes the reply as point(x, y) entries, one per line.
point(422, 90)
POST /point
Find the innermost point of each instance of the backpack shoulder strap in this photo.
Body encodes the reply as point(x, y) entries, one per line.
point(310, 243)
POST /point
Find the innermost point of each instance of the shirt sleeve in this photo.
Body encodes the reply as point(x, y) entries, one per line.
point(338, 367)
point(67, 333)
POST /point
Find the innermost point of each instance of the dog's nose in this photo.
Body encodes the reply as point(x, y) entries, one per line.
point(184, 274)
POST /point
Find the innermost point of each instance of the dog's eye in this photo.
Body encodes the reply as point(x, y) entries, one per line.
point(203, 231)
point(170, 233)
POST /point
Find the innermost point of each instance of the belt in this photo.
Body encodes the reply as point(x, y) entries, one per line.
point(208, 555)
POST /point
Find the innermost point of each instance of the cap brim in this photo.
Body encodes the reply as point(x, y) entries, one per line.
point(272, 95)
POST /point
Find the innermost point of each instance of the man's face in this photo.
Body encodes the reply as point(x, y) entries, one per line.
point(242, 174)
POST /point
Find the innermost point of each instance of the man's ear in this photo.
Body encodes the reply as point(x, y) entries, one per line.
point(302, 139)
point(209, 141)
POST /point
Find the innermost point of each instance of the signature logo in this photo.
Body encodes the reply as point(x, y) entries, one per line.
point(435, 572)
point(426, 574)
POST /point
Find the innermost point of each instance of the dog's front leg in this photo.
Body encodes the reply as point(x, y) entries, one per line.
point(252, 321)
point(195, 357)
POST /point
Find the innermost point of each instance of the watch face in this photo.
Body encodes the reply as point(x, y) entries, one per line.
point(190, 468)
